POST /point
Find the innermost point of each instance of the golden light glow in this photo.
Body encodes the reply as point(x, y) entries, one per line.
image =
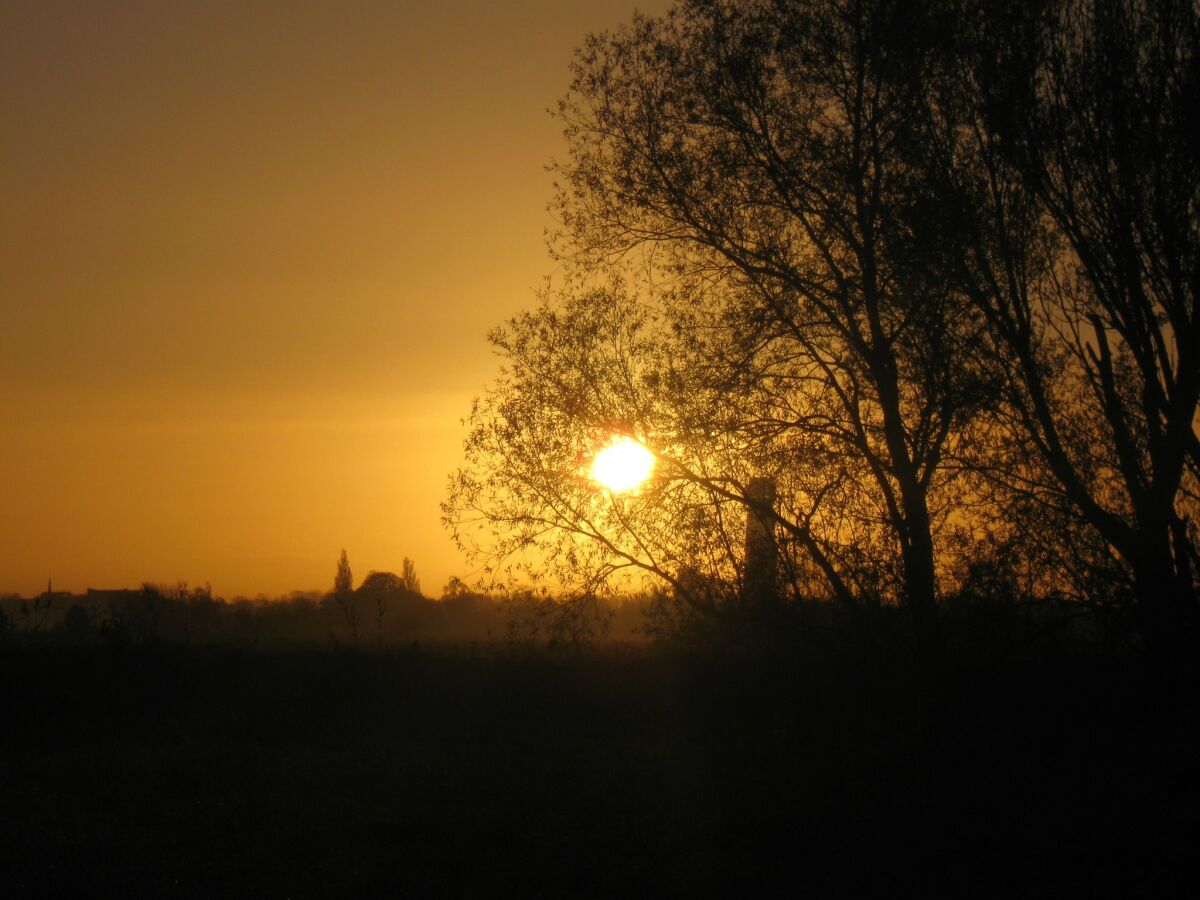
point(303, 259)
point(622, 465)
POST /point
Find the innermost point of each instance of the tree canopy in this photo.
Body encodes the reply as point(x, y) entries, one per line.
point(897, 259)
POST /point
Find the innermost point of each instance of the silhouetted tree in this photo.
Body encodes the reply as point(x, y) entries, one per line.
point(387, 591)
point(343, 595)
point(343, 580)
point(1063, 140)
point(782, 310)
point(455, 588)
point(408, 576)
point(380, 588)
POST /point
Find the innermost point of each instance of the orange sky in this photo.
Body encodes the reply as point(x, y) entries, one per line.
point(249, 254)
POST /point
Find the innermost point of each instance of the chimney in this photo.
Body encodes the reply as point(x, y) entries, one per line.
point(759, 577)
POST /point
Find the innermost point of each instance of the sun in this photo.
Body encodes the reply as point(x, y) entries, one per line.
point(622, 465)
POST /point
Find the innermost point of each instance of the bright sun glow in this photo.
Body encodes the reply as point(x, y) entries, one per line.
point(622, 465)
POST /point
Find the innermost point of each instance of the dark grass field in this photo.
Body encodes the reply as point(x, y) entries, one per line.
point(197, 772)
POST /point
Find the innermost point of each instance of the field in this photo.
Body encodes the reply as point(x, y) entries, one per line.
point(194, 771)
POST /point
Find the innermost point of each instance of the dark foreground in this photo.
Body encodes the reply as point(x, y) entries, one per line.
point(206, 772)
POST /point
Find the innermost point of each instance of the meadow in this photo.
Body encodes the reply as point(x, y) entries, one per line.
point(610, 769)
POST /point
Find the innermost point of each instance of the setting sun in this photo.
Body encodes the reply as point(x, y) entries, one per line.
point(622, 465)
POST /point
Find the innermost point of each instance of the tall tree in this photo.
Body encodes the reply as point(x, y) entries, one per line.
point(343, 595)
point(343, 580)
point(752, 157)
point(761, 148)
point(1063, 139)
point(408, 576)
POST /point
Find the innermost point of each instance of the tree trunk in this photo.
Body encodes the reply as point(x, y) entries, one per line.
point(1165, 598)
point(916, 538)
point(920, 579)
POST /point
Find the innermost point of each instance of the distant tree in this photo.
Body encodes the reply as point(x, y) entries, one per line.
point(455, 588)
point(408, 576)
point(343, 595)
point(380, 588)
point(343, 580)
point(382, 582)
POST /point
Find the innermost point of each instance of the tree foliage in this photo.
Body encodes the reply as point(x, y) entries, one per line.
point(930, 268)
point(343, 595)
point(1063, 143)
point(408, 577)
point(343, 579)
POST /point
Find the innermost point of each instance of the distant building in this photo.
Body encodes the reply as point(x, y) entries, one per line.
point(51, 594)
point(95, 595)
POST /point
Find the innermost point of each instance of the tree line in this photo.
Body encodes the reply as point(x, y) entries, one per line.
point(384, 611)
point(929, 267)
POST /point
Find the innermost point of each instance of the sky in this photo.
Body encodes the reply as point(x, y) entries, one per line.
point(249, 256)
